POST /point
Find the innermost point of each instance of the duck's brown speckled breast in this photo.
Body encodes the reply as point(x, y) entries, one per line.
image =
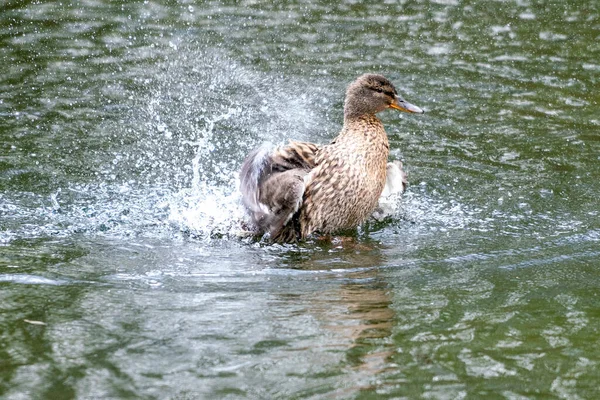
point(344, 188)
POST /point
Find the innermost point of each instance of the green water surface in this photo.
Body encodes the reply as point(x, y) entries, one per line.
point(123, 125)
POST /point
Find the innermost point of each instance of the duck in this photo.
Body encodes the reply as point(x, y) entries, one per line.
point(294, 191)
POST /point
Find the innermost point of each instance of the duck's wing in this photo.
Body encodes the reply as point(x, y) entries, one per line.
point(395, 184)
point(396, 181)
point(272, 186)
point(296, 155)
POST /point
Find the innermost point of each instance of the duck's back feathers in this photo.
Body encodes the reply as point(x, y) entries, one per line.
point(272, 186)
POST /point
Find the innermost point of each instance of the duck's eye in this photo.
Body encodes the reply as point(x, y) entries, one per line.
point(379, 90)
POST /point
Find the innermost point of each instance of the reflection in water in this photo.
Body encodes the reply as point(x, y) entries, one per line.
point(367, 322)
point(357, 311)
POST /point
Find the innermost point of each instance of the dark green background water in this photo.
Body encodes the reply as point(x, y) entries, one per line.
point(123, 124)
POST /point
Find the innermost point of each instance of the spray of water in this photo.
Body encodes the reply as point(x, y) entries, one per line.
point(201, 113)
point(176, 148)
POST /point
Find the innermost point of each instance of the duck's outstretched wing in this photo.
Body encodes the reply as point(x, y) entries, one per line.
point(396, 180)
point(396, 183)
point(272, 186)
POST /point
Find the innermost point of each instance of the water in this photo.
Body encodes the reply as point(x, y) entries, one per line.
point(122, 271)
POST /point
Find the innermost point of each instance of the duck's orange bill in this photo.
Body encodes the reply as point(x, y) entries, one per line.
point(405, 106)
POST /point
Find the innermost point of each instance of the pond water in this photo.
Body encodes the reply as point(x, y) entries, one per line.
point(122, 273)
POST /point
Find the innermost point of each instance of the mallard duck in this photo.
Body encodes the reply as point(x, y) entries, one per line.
point(293, 191)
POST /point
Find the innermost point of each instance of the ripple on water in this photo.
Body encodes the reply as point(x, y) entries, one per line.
point(26, 279)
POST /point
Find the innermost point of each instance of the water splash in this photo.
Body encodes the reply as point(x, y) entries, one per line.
point(202, 157)
point(209, 212)
point(176, 147)
point(199, 115)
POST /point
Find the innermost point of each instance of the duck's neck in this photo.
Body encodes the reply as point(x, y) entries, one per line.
point(353, 120)
point(365, 126)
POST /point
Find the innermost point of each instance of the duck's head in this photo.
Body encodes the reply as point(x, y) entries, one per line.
point(372, 93)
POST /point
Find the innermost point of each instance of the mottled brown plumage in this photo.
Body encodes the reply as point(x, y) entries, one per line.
point(293, 191)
